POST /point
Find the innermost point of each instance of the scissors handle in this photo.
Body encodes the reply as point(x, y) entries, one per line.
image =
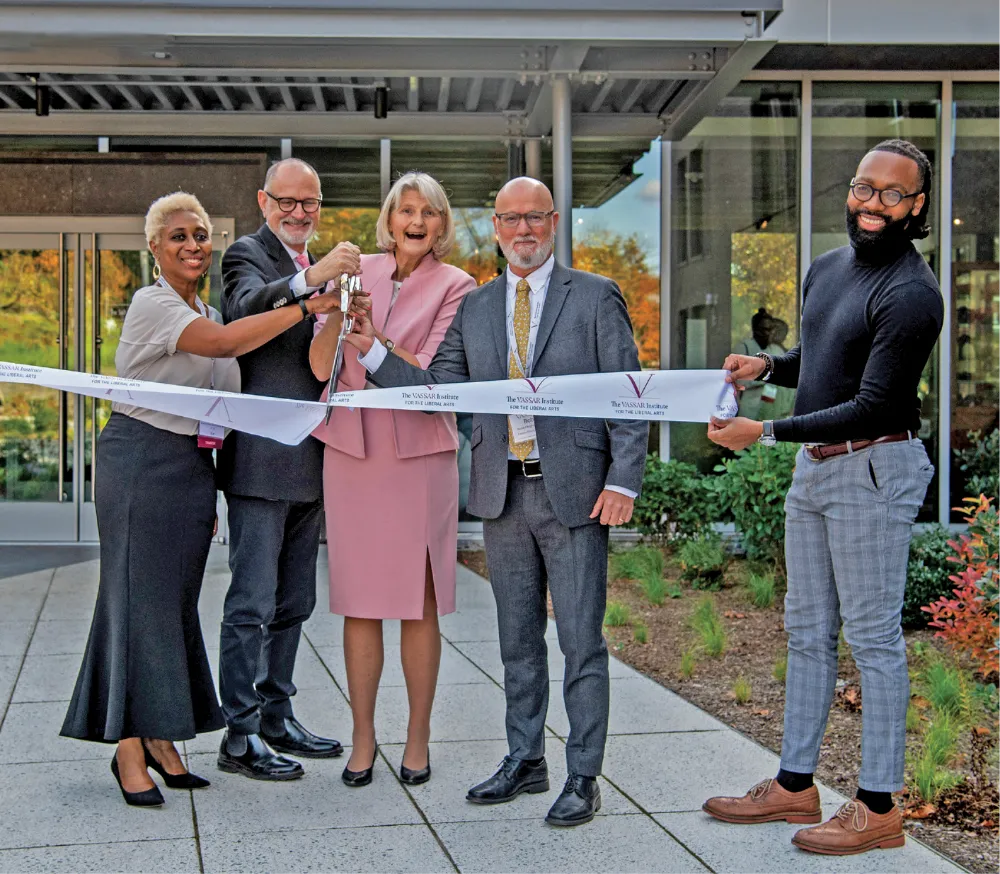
point(349, 287)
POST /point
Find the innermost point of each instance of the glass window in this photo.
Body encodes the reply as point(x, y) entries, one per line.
point(734, 276)
point(975, 289)
point(848, 119)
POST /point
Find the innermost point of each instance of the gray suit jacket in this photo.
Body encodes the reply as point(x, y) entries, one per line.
point(584, 328)
point(256, 270)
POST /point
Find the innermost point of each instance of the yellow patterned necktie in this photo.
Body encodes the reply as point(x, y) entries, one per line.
point(522, 328)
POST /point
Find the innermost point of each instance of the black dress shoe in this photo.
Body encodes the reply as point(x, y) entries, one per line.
point(514, 777)
point(146, 798)
point(414, 777)
point(247, 754)
point(359, 778)
point(299, 741)
point(577, 803)
point(186, 780)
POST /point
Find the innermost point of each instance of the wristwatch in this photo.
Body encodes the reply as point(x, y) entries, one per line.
point(767, 437)
point(389, 345)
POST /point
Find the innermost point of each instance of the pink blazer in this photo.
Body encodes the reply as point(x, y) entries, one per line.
point(427, 303)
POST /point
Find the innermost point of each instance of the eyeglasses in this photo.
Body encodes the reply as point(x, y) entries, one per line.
point(513, 219)
point(288, 204)
point(889, 196)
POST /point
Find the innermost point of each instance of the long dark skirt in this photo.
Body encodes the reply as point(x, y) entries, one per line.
point(145, 672)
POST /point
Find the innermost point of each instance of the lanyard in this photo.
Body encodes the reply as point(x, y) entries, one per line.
point(204, 313)
point(536, 317)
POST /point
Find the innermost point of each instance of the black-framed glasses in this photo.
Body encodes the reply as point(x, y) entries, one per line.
point(889, 196)
point(513, 219)
point(288, 204)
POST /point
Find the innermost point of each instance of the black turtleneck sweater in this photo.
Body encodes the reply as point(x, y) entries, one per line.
point(869, 325)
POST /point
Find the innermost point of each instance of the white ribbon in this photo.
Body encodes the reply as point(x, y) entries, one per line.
point(660, 395)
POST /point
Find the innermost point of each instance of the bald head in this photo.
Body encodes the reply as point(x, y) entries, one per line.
point(291, 181)
point(524, 189)
point(525, 224)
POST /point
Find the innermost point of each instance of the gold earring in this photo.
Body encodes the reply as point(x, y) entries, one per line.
point(156, 270)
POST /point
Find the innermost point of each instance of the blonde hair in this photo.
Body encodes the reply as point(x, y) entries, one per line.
point(429, 188)
point(160, 210)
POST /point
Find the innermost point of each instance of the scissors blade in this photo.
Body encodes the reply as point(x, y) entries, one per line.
point(331, 386)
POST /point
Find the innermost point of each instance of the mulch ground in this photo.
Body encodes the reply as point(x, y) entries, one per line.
point(962, 825)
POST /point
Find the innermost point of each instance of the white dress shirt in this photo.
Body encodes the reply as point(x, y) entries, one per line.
point(297, 284)
point(538, 280)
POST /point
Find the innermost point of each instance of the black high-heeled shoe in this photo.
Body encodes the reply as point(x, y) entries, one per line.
point(186, 780)
point(359, 778)
point(414, 777)
point(146, 798)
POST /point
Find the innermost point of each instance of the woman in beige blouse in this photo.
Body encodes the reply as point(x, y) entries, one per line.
point(145, 681)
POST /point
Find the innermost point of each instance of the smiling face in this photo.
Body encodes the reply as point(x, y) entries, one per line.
point(297, 181)
point(525, 246)
point(183, 249)
point(415, 226)
point(871, 223)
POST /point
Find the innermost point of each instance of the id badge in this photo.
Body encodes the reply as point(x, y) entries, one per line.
point(210, 436)
point(523, 428)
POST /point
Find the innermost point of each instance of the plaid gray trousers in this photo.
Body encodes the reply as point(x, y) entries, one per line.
point(847, 539)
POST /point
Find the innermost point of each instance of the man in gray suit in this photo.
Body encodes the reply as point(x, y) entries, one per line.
point(547, 488)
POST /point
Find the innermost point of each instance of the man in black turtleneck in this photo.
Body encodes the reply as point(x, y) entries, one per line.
point(871, 317)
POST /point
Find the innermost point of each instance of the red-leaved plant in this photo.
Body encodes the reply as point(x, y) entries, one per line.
point(970, 622)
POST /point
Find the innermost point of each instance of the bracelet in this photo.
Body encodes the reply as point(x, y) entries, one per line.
point(768, 366)
point(302, 306)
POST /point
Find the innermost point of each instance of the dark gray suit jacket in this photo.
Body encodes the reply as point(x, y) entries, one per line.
point(584, 328)
point(256, 270)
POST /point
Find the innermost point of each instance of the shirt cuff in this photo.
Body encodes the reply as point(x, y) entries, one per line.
point(372, 361)
point(297, 285)
point(623, 491)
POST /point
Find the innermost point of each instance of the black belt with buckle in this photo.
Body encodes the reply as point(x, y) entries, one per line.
point(531, 468)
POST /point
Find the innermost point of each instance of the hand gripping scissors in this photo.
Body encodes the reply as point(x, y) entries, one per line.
point(350, 286)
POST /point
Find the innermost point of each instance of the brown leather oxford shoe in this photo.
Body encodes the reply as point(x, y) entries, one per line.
point(767, 802)
point(853, 829)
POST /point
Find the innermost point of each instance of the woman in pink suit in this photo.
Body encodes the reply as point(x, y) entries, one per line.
point(390, 478)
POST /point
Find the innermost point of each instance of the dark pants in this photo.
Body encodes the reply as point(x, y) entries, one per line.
point(528, 549)
point(272, 555)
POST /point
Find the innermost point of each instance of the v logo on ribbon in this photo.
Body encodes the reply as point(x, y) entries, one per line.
point(639, 392)
point(216, 403)
point(536, 386)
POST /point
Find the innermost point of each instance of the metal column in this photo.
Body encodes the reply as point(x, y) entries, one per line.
point(385, 166)
point(533, 158)
point(947, 153)
point(562, 167)
point(666, 266)
point(805, 189)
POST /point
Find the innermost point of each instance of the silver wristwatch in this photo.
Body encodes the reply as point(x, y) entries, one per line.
point(767, 437)
point(389, 345)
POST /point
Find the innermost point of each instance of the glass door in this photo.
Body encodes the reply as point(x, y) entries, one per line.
point(60, 306)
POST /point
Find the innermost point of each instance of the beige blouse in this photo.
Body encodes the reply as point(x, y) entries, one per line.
point(147, 350)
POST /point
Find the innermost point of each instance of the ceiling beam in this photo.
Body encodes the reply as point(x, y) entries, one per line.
point(97, 97)
point(350, 100)
point(161, 95)
point(633, 96)
point(413, 95)
point(473, 94)
point(601, 95)
point(286, 97)
point(506, 92)
point(126, 92)
point(224, 98)
point(319, 98)
point(444, 93)
point(193, 99)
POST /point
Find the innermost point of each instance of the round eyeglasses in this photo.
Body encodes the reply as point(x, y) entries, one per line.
point(864, 192)
point(288, 204)
point(513, 219)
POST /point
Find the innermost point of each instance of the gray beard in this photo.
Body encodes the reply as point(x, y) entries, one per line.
point(529, 262)
point(290, 240)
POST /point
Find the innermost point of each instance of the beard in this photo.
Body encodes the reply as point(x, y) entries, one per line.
point(294, 234)
point(894, 232)
point(529, 262)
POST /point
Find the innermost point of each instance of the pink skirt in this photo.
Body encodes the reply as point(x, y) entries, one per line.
point(384, 516)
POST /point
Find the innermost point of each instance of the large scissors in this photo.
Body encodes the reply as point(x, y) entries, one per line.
point(350, 286)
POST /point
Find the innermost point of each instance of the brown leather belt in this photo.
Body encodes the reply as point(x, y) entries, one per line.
point(831, 450)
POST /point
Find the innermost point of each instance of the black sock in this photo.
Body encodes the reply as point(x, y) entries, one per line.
point(793, 782)
point(876, 802)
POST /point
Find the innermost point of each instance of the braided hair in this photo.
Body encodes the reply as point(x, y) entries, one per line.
point(917, 225)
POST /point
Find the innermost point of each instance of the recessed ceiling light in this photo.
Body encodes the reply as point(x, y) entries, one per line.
point(161, 56)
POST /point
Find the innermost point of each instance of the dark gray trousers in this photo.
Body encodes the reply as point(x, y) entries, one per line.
point(272, 554)
point(527, 548)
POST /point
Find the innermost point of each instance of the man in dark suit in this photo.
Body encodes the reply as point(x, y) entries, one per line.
point(274, 492)
point(547, 488)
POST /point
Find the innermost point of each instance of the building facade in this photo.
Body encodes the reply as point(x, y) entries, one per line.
point(701, 150)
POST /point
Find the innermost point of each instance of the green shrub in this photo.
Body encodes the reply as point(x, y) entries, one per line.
point(702, 561)
point(980, 463)
point(760, 590)
point(636, 563)
point(687, 664)
point(753, 487)
point(655, 589)
point(930, 772)
point(943, 686)
point(742, 690)
point(927, 574)
point(707, 624)
point(640, 632)
point(617, 614)
point(780, 669)
point(672, 505)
